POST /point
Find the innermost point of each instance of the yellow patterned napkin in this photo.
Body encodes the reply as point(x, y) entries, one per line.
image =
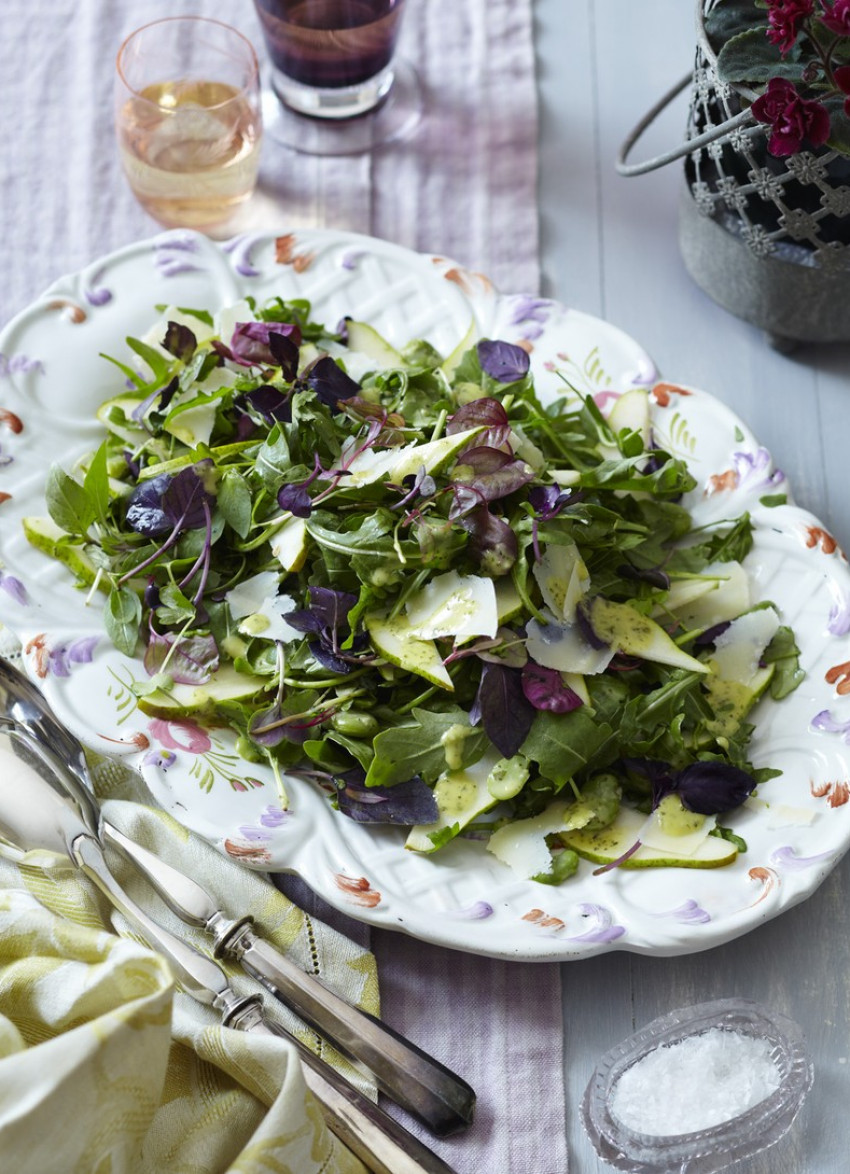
point(106, 1069)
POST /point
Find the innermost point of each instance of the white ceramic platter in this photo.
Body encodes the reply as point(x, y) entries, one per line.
point(51, 380)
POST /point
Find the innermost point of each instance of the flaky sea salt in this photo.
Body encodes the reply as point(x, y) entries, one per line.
point(703, 1080)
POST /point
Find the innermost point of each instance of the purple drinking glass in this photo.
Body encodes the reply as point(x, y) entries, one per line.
point(331, 59)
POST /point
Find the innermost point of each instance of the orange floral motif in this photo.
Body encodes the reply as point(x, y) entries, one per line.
point(247, 852)
point(839, 675)
point(138, 739)
point(285, 254)
point(662, 391)
point(767, 879)
point(358, 890)
point(13, 423)
point(544, 920)
point(817, 536)
point(5, 497)
point(836, 793)
point(70, 310)
point(721, 482)
point(464, 279)
point(38, 645)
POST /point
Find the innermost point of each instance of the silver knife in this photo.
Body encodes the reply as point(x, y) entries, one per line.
point(33, 815)
point(429, 1091)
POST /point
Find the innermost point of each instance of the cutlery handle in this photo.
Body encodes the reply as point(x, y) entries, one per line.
point(381, 1143)
point(429, 1091)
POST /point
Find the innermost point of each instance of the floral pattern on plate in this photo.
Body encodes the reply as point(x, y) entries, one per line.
point(52, 380)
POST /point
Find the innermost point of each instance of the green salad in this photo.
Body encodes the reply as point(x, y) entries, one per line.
point(401, 576)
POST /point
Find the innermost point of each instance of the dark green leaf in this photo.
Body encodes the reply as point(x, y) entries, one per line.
point(234, 501)
point(68, 503)
point(122, 616)
point(96, 484)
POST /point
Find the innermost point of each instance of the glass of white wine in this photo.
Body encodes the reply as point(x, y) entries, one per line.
point(187, 115)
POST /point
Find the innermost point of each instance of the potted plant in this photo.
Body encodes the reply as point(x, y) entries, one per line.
point(765, 215)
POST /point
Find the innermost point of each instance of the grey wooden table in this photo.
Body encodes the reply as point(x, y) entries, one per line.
point(609, 247)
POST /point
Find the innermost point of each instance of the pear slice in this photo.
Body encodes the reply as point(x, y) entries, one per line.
point(395, 641)
point(191, 700)
point(631, 411)
point(193, 422)
point(365, 340)
point(635, 634)
point(45, 535)
point(452, 361)
point(116, 414)
point(721, 592)
point(665, 850)
point(394, 464)
point(461, 795)
point(289, 544)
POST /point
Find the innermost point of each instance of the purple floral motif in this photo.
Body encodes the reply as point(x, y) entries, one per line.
point(530, 310)
point(475, 912)
point(14, 588)
point(97, 295)
point(274, 817)
point(826, 722)
point(839, 615)
point(170, 255)
point(787, 858)
point(62, 656)
point(602, 929)
point(646, 375)
point(240, 247)
point(754, 470)
point(690, 912)
point(350, 257)
point(19, 365)
point(5, 459)
point(160, 758)
point(270, 819)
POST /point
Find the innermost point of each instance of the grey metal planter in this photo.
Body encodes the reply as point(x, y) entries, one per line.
point(766, 238)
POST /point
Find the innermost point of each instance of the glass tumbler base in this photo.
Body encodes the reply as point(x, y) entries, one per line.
point(324, 130)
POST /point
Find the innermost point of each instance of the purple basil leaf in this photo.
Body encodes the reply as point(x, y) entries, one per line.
point(265, 401)
point(331, 383)
point(587, 629)
point(179, 341)
point(651, 575)
point(485, 412)
point(495, 474)
point(712, 787)
point(505, 711)
point(296, 499)
point(332, 607)
point(328, 659)
point(184, 499)
point(710, 634)
point(411, 802)
point(192, 662)
point(133, 466)
point(297, 728)
point(251, 343)
point(491, 541)
point(503, 361)
point(284, 350)
point(305, 620)
point(151, 595)
point(163, 394)
point(145, 511)
point(545, 689)
point(546, 500)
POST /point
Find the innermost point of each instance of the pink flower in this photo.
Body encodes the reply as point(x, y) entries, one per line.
point(836, 17)
point(784, 19)
point(790, 117)
point(179, 734)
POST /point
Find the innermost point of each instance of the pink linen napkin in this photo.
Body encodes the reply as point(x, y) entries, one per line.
point(463, 186)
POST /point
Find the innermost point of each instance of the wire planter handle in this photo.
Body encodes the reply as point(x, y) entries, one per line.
point(694, 144)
